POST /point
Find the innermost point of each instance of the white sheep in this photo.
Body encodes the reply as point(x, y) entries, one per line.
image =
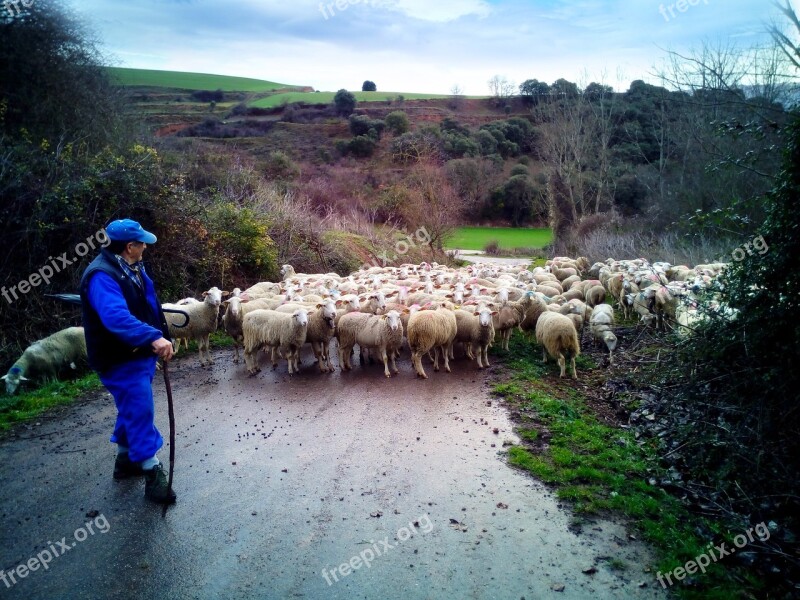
point(321, 327)
point(600, 324)
point(383, 332)
point(558, 337)
point(44, 360)
point(274, 330)
point(475, 329)
point(431, 330)
point(202, 321)
point(235, 310)
point(507, 318)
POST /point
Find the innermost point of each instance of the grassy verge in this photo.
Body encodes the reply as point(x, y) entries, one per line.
point(507, 238)
point(601, 468)
point(27, 405)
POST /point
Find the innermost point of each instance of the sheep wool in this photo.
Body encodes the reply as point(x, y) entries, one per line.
point(431, 330)
point(44, 360)
point(559, 338)
point(277, 331)
point(202, 322)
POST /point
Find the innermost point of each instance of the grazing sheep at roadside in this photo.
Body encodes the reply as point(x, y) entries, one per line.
point(506, 319)
point(595, 295)
point(383, 332)
point(600, 325)
point(558, 338)
point(44, 360)
point(274, 330)
point(202, 321)
point(570, 281)
point(642, 304)
point(534, 306)
point(321, 327)
point(475, 329)
point(431, 329)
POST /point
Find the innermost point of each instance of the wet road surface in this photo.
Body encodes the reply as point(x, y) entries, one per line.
point(317, 486)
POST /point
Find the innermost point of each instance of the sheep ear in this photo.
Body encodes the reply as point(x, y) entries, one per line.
point(4, 376)
point(205, 294)
point(226, 293)
point(320, 305)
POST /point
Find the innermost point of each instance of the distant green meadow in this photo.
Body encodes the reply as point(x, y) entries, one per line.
point(192, 81)
point(476, 238)
point(327, 98)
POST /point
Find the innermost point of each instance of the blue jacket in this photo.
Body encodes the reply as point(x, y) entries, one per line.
point(121, 320)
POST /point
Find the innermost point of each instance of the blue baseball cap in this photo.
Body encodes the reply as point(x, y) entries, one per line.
point(127, 230)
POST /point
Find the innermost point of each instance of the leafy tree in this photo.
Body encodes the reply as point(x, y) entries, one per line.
point(562, 88)
point(344, 102)
point(52, 80)
point(596, 91)
point(533, 91)
point(369, 86)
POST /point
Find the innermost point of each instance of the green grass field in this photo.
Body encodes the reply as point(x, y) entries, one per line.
point(476, 238)
point(327, 97)
point(192, 81)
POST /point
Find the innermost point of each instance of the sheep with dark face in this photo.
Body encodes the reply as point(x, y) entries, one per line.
point(44, 360)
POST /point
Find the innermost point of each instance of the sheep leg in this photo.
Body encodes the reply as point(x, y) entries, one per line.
point(470, 353)
point(574, 372)
point(344, 357)
point(393, 356)
point(385, 358)
point(416, 358)
point(274, 358)
point(446, 357)
point(506, 338)
point(562, 364)
point(486, 355)
point(436, 351)
point(544, 356)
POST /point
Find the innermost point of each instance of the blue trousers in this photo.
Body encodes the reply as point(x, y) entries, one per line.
point(131, 385)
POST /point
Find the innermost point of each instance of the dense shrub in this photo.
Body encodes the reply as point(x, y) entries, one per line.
point(208, 96)
point(363, 125)
point(397, 122)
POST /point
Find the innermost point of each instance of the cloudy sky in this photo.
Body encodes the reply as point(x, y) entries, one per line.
point(417, 45)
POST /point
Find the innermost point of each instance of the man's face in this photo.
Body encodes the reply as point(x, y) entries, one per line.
point(135, 250)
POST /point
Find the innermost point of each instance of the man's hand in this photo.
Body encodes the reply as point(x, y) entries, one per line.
point(163, 348)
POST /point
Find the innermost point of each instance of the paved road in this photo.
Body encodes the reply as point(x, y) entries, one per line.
point(281, 481)
point(476, 256)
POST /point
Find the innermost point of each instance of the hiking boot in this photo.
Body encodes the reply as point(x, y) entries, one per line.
point(124, 467)
point(155, 486)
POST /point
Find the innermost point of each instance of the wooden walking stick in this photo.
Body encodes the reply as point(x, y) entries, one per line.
point(171, 411)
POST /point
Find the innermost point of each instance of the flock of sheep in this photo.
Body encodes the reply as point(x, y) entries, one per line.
point(433, 308)
point(430, 307)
